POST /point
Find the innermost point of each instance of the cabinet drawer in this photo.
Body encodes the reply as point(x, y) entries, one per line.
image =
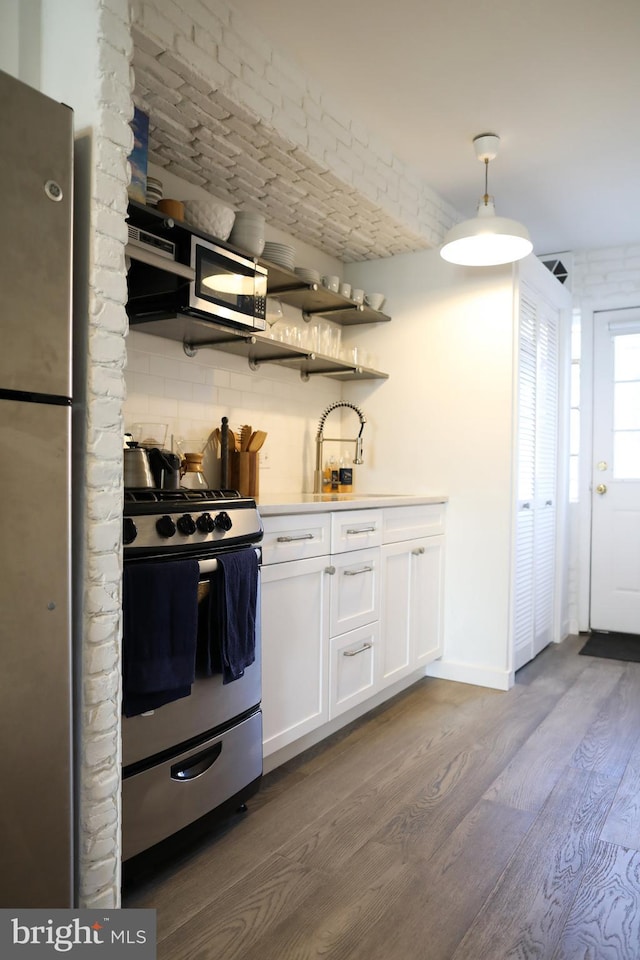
point(355, 530)
point(408, 523)
point(353, 668)
point(355, 590)
point(295, 537)
point(166, 797)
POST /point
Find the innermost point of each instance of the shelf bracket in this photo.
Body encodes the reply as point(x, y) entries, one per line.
point(254, 362)
point(191, 349)
point(309, 314)
point(332, 372)
point(292, 288)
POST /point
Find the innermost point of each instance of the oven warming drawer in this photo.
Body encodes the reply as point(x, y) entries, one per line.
point(163, 799)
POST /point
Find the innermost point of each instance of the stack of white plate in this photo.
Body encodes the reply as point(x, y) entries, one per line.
point(248, 232)
point(308, 275)
point(281, 253)
point(154, 191)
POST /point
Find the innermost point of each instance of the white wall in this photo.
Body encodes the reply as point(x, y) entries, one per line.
point(442, 424)
point(20, 39)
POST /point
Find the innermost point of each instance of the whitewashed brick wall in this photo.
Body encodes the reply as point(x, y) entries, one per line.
point(232, 115)
point(609, 273)
point(99, 773)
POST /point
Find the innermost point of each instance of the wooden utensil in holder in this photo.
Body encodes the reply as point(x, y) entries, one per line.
point(244, 473)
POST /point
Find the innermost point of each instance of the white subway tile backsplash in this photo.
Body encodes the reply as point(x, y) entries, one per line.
point(178, 389)
point(144, 383)
point(204, 393)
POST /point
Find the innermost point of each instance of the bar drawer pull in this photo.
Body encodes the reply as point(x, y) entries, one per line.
point(354, 653)
point(418, 551)
point(361, 530)
point(305, 536)
point(354, 573)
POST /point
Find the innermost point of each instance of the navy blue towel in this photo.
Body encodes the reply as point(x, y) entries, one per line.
point(228, 643)
point(160, 604)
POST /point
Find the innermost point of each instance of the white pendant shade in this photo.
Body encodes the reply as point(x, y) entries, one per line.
point(486, 240)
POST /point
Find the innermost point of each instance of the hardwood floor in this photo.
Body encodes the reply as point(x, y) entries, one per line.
point(455, 823)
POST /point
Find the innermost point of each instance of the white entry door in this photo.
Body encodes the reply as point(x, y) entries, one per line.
point(615, 539)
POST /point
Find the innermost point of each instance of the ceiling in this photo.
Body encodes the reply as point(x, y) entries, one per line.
point(557, 80)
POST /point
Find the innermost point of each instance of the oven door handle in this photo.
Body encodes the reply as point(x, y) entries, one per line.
point(196, 765)
point(211, 565)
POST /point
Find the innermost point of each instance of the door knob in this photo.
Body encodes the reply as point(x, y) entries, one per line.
point(601, 488)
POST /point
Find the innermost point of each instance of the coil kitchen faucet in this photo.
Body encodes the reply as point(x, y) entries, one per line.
point(320, 439)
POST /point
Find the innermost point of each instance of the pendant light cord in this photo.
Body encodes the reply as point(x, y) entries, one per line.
point(486, 182)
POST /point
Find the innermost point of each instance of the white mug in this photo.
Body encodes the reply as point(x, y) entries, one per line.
point(357, 296)
point(345, 289)
point(331, 283)
point(374, 300)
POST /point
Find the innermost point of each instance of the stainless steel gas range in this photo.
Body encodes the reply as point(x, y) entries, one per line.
point(202, 750)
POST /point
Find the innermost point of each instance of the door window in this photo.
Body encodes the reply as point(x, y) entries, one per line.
point(626, 407)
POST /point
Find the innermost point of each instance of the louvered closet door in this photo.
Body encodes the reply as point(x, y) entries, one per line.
point(546, 478)
point(526, 472)
point(537, 443)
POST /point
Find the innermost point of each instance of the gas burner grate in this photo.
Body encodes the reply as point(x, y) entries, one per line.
point(146, 495)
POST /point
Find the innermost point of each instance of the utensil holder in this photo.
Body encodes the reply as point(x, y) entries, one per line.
point(244, 473)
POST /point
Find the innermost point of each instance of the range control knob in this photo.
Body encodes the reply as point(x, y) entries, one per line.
point(223, 521)
point(165, 526)
point(205, 523)
point(129, 530)
point(186, 524)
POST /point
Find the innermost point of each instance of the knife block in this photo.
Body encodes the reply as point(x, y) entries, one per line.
point(244, 473)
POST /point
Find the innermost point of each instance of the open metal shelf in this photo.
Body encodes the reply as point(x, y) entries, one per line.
point(196, 334)
point(311, 299)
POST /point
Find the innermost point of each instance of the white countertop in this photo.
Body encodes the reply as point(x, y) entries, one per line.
point(274, 504)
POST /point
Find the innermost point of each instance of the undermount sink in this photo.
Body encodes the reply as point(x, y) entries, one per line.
point(352, 496)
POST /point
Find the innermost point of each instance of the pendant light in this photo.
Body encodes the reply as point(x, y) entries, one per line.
point(486, 240)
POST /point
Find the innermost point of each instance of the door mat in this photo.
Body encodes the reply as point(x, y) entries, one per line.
point(613, 646)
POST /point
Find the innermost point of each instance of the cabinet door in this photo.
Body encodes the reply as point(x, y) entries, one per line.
point(412, 606)
point(353, 668)
point(395, 656)
point(295, 628)
point(427, 599)
point(355, 590)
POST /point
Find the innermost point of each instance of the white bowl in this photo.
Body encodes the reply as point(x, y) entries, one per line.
point(211, 216)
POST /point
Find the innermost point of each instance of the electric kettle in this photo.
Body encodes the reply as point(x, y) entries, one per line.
point(165, 467)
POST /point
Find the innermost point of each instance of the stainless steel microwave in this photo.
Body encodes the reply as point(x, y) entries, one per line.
point(228, 287)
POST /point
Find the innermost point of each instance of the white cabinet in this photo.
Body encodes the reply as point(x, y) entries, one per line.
point(355, 530)
point(412, 598)
point(355, 590)
point(353, 667)
point(295, 656)
point(339, 627)
point(295, 628)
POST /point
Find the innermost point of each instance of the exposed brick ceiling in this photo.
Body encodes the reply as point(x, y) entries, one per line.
point(199, 134)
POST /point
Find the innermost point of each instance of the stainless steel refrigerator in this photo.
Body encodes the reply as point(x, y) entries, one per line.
point(36, 790)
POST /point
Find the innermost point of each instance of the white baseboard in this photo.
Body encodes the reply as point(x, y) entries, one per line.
point(470, 673)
